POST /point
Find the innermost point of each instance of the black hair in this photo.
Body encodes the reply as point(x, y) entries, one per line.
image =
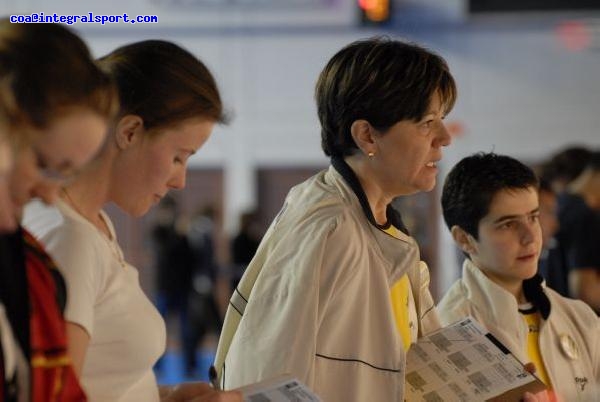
point(472, 184)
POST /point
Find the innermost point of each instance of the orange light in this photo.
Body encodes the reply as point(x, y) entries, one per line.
point(375, 10)
point(364, 4)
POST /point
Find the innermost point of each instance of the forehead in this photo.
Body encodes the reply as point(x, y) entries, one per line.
point(435, 103)
point(190, 134)
point(519, 201)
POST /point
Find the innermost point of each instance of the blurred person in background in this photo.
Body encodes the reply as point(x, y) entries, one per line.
point(55, 107)
point(564, 166)
point(579, 215)
point(548, 213)
point(548, 217)
point(204, 316)
point(244, 246)
point(576, 255)
point(169, 103)
point(174, 263)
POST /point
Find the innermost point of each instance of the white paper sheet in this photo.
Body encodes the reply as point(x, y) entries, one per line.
point(280, 389)
point(463, 362)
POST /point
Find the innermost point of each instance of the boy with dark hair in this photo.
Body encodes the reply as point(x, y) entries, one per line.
point(490, 204)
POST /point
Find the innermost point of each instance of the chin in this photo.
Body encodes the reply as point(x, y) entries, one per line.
point(427, 183)
point(136, 210)
point(140, 211)
point(425, 187)
point(414, 188)
point(529, 272)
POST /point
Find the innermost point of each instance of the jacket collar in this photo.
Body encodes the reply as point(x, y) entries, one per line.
point(401, 253)
point(499, 305)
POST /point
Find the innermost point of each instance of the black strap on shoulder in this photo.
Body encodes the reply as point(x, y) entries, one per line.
point(534, 293)
point(393, 216)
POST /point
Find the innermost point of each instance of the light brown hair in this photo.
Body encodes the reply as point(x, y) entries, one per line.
point(45, 69)
point(163, 84)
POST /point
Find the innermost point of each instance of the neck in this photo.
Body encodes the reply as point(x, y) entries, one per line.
point(514, 286)
point(378, 201)
point(88, 193)
point(518, 294)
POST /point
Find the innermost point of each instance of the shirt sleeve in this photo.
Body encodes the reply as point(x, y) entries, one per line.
point(279, 329)
point(76, 258)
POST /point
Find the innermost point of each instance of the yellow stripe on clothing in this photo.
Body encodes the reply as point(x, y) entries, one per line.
point(533, 345)
point(42, 361)
point(399, 295)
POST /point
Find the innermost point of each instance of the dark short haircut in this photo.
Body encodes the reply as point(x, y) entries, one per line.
point(472, 184)
point(46, 69)
point(566, 164)
point(163, 83)
point(380, 80)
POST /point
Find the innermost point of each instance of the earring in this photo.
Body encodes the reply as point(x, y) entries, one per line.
point(371, 154)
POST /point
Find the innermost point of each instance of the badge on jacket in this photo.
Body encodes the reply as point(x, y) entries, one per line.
point(569, 347)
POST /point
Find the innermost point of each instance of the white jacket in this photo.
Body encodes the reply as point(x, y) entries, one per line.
point(575, 377)
point(315, 300)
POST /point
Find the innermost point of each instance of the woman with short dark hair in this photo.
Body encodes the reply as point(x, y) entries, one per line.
point(315, 300)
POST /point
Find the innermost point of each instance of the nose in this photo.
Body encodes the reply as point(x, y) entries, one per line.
point(177, 181)
point(443, 137)
point(530, 232)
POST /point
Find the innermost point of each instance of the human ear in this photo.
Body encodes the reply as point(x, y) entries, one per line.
point(463, 240)
point(129, 130)
point(364, 136)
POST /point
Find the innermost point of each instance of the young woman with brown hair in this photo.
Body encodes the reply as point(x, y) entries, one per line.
point(169, 105)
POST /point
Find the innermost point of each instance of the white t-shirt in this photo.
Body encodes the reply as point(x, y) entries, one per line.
point(127, 334)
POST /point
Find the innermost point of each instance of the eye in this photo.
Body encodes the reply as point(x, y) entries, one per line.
point(178, 160)
point(40, 161)
point(45, 170)
point(425, 127)
point(507, 225)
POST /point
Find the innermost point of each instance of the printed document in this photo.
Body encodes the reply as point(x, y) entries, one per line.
point(463, 362)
